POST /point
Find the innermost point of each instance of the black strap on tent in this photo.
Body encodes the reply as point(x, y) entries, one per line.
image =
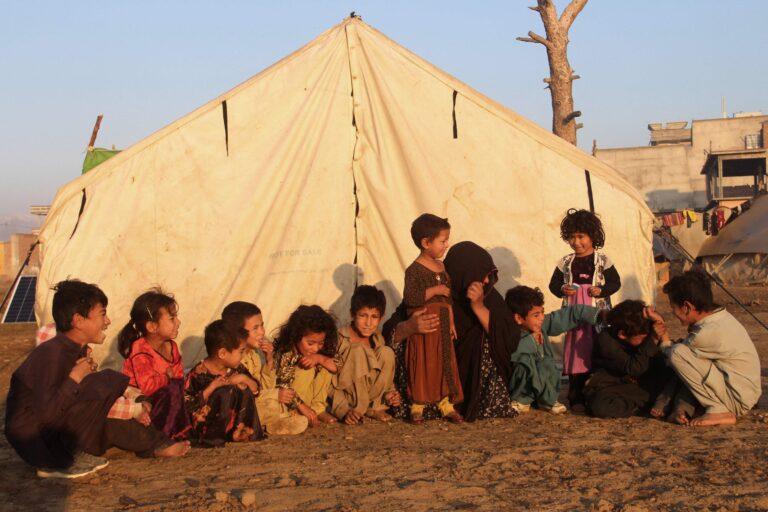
point(226, 124)
point(455, 128)
point(79, 214)
point(589, 191)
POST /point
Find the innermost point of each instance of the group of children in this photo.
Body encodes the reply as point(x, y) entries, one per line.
point(62, 414)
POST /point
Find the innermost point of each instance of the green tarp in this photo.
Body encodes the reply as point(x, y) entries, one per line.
point(96, 156)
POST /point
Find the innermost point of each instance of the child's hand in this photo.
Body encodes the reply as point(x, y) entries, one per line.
point(143, 416)
point(443, 290)
point(285, 395)
point(652, 315)
point(310, 361)
point(218, 382)
point(267, 347)
point(83, 367)
point(595, 291)
point(454, 335)
point(475, 292)
point(311, 415)
point(568, 290)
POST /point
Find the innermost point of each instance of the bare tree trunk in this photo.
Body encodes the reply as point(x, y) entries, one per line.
point(560, 81)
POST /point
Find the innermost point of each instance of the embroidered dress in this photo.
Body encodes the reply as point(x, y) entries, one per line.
point(214, 420)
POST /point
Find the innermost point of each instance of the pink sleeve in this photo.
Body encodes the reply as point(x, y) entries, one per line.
point(147, 378)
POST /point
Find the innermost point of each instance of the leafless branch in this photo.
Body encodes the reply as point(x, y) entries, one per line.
point(570, 12)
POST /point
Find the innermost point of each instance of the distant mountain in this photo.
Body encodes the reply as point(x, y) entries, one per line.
point(19, 223)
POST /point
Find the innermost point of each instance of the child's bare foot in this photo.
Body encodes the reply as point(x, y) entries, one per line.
point(394, 399)
point(678, 416)
point(714, 418)
point(242, 433)
point(657, 413)
point(378, 415)
point(353, 417)
point(325, 417)
point(175, 450)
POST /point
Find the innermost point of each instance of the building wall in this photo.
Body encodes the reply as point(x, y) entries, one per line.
point(669, 175)
point(665, 174)
point(3, 263)
point(17, 248)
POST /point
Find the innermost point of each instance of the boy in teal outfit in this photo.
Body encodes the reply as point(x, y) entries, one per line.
point(536, 378)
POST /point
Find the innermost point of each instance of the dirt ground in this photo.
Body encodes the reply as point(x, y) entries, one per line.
point(538, 461)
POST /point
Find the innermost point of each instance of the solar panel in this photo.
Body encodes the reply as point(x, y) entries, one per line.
point(22, 305)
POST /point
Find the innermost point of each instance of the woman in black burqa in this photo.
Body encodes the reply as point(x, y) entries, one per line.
point(484, 359)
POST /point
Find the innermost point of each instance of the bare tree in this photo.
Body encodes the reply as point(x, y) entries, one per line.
point(560, 81)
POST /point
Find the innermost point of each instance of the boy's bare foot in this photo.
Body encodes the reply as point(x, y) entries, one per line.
point(657, 413)
point(175, 450)
point(325, 417)
point(353, 417)
point(379, 415)
point(714, 418)
point(678, 416)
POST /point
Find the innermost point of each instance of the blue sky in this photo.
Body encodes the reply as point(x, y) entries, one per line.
point(144, 64)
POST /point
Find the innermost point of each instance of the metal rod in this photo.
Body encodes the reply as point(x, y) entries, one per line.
point(18, 274)
point(674, 243)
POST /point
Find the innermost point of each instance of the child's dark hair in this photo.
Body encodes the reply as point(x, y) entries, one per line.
point(146, 308)
point(522, 299)
point(305, 320)
point(74, 297)
point(582, 221)
point(692, 286)
point(236, 313)
point(627, 318)
point(367, 296)
point(427, 226)
point(219, 335)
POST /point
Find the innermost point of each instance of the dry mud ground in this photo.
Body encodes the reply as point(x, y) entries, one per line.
point(538, 462)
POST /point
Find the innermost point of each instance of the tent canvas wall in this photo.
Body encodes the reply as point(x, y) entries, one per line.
point(739, 253)
point(303, 181)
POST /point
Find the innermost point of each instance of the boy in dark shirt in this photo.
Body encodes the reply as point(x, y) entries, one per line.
point(630, 373)
point(57, 406)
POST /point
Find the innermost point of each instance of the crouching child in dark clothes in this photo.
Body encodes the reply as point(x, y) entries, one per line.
point(58, 406)
point(630, 373)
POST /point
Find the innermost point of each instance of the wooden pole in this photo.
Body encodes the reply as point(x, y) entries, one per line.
point(95, 132)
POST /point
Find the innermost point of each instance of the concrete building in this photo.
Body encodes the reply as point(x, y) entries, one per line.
point(14, 251)
point(688, 167)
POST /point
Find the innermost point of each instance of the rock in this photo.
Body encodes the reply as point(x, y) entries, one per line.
point(248, 498)
point(127, 500)
point(602, 506)
point(221, 496)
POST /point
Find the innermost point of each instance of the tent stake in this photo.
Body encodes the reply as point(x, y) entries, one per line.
point(672, 241)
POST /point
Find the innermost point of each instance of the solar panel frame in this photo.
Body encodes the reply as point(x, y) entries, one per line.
point(21, 307)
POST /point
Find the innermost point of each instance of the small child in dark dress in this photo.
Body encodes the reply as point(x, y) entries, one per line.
point(433, 375)
point(220, 392)
point(586, 276)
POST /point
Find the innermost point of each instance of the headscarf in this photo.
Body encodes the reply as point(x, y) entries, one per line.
point(466, 263)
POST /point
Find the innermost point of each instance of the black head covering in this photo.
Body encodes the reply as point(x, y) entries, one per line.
point(465, 263)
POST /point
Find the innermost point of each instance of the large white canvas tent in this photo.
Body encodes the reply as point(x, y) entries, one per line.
point(304, 180)
point(739, 253)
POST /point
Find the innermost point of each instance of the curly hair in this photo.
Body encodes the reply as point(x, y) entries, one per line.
point(583, 221)
point(627, 318)
point(522, 299)
point(305, 320)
